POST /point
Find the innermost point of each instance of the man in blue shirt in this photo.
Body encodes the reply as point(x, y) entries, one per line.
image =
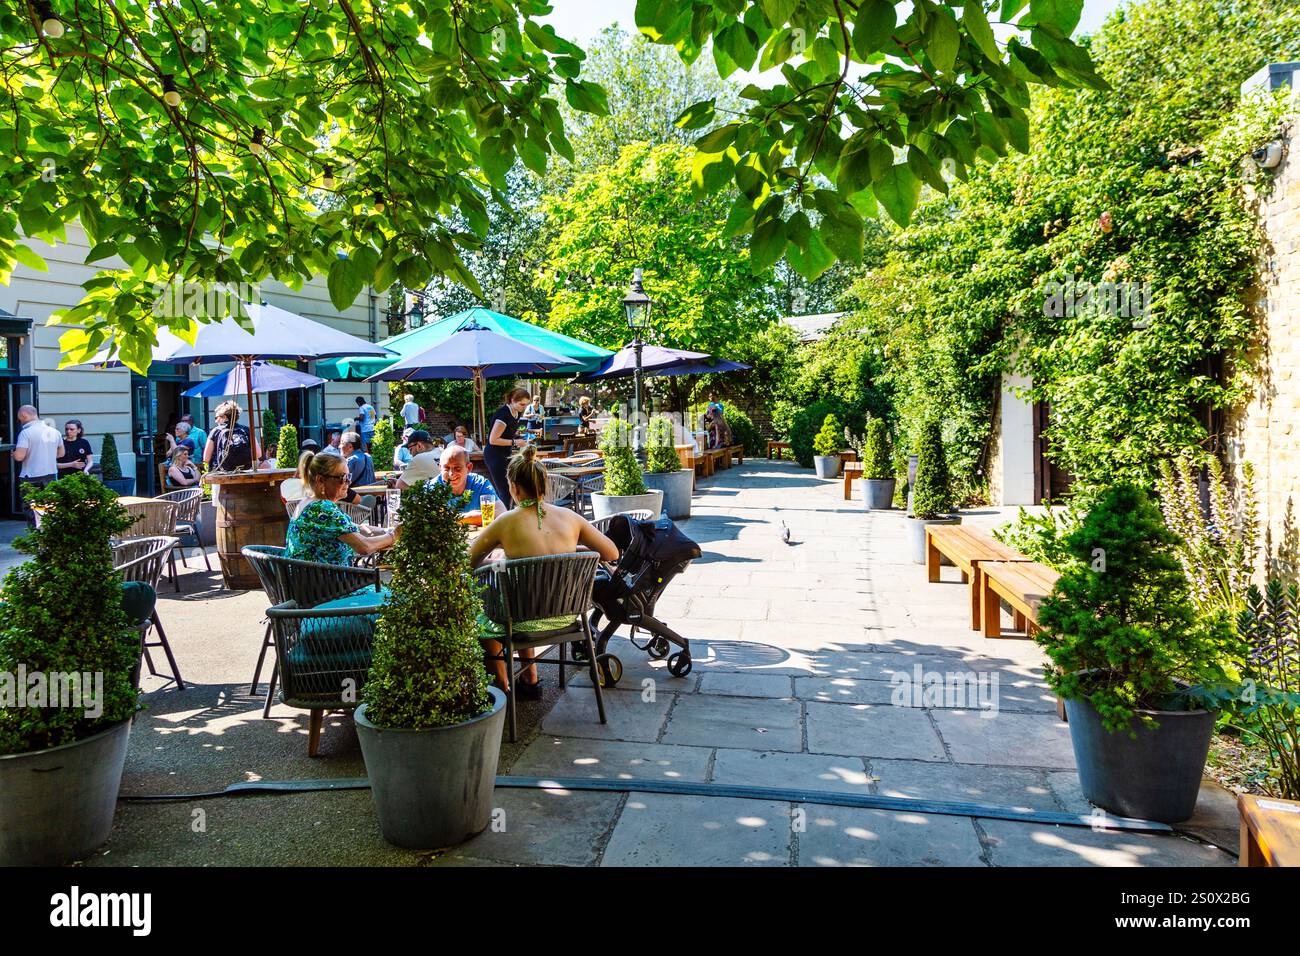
point(458, 471)
point(366, 421)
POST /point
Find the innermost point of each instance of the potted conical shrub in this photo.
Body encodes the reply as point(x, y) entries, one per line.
point(877, 467)
point(933, 500)
point(664, 471)
point(827, 444)
point(286, 449)
point(66, 691)
point(110, 467)
point(1129, 654)
point(270, 431)
point(430, 724)
point(625, 488)
point(383, 444)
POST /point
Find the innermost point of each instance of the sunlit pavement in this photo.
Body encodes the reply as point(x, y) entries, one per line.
point(807, 657)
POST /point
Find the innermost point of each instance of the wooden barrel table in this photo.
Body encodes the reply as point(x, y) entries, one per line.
point(249, 511)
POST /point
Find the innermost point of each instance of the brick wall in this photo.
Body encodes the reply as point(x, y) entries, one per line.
point(1266, 430)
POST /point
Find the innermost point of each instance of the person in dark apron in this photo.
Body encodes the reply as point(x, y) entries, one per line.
point(502, 440)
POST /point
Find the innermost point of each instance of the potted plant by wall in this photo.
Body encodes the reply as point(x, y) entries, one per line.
point(664, 471)
point(111, 467)
point(827, 444)
point(429, 725)
point(933, 500)
point(286, 449)
point(383, 444)
point(877, 467)
point(1129, 655)
point(625, 488)
point(66, 691)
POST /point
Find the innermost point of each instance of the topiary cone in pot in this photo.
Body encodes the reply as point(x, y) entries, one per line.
point(877, 467)
point(664, 471)
point(430, 725)
point(827, 444)
point(1132, 660)
point(933, 500)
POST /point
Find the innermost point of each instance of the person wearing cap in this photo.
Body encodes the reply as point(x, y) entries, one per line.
point(425, 460)
point(402, 453)
point(77, 455)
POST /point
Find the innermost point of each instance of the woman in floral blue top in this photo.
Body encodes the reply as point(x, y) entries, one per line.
point(322, 532)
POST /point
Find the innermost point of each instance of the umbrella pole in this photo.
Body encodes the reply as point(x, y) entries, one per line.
point(247, 364)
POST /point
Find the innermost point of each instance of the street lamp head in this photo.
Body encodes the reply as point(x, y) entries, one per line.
point(637, 305)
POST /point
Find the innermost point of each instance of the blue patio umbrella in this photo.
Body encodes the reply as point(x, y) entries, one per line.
point(658, 360)
point(265, 378)
point(476, 353)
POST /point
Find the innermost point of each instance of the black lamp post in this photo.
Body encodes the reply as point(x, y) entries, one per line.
point(637, 305)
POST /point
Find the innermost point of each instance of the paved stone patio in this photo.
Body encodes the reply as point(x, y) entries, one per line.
point(798, 649)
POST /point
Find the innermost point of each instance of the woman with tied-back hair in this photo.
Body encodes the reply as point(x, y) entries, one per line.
point(321, 531)
point(533, 529)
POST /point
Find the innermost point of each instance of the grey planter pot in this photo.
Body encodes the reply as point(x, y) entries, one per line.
point(433, 788)
point(602, 506)
point(57, 805)
point(916, 534)
point(676, 487)
point(828, 466)
point(208, 524)
point(878, 493)
point(1156, 776)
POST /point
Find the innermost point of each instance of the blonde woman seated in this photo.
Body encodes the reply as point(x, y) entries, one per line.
point(183, 473)
point(533, 529)
point(321, 531)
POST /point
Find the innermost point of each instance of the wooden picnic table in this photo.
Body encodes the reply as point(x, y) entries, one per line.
point(1270, 831)
point(967, 548)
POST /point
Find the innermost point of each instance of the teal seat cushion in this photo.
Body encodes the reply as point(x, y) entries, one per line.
point(138, 600)
point(334, 643)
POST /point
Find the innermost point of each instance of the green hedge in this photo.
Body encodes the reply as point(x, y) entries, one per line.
point(809, 421)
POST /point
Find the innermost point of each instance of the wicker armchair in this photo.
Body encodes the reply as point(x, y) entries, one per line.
point(586, 488)
point(307, 584)
point(323, 657)
point(521, 593)
point(155, 517)
point(141, 559)
point(562, 491)
point(187, 519)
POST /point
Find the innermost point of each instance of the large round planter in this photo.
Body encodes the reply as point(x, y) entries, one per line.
point(828, 466)
point(603, 506)
point(57, 805)
point(207, 524)
point(1155, 776)
point(122, 487)
point(433, 788)
point(676, 487)
point(878, 493)
point(916, 534)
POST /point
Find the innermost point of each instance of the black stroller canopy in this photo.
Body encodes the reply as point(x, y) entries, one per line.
point(653, 542)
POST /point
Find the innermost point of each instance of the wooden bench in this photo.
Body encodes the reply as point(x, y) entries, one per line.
point(1270, 831)
point(779, 447)
point(852, 469)
point(721, 458)
point(737, 452)
point(967, 548)
point(847, 457)
point(703, 465)
point(1022, 584)
point(686, 455)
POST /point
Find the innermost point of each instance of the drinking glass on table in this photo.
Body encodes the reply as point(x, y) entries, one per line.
point(488, 508)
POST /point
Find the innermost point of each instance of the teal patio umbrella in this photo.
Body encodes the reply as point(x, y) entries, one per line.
point(582, 356)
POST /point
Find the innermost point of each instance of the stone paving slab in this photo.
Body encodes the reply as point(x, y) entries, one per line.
point(611, 759)
point(630, 717)
point(851, 836)
point(872, 730)
point(964, 783)
point(1023, 740)
point(1030, 844)
point(703, 720)
point(663, 830)
point(843, 690)
point(746, 685)
point(559, 827)
point(753, 768)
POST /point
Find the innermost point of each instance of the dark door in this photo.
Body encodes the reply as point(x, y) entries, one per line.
point(15, 392)
point(144, 415)
point(1051, 483)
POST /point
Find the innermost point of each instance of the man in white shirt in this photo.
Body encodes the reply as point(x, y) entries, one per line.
point(38, 449)
point(410, 412)
point(425, 460)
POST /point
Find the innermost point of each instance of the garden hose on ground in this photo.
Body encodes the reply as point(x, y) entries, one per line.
point(1096, 820)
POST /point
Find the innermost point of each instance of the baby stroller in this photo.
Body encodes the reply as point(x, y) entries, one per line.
point(651, 553)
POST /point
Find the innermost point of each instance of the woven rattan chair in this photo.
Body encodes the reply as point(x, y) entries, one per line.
point(534, 589)
point(586, 488)
point(323, 657)
point(187, 519)
point(361, 510)
point(141, 559)
point(155, 517)
point(562, 491)
point(602, 524)
point(307, 584)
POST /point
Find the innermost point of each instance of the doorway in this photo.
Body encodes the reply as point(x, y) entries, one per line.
point(15, 392)
point(156, 406)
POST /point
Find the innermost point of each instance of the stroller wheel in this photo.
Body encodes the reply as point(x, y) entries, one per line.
point(679, 665)
point(610, 669)
point(578, 650)
point(658, 648)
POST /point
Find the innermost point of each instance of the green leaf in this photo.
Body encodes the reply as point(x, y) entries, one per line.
point(977, 25)
point(842, 233)
point(696, 116)
point(586, 96)
point(779, 12)
point(812, 262)
point(882, 157)
point(942, 38)
point(923, 167)
point(1062, 14)
point(496, 158)
point(29, 258)
point(344, 284)
point(854, 171)
point(898, 191)
point(767, 245)
point(718, 140)
point(873, 27)
point(1011, 7)
point(739, 45)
